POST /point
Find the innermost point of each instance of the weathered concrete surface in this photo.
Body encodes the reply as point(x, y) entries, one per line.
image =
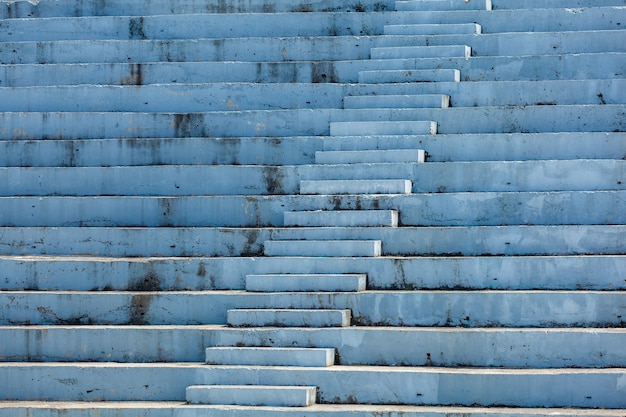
point(369, 308)
point(402, 241)
point(306, 282)
point(375, 218)
point(436, 385)
point(483, 347)
point(270, 356)
point(179, 409)
point(598, 272)
point(323, 247)
point(503, 68)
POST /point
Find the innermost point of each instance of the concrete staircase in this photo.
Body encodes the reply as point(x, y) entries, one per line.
point(312, 208)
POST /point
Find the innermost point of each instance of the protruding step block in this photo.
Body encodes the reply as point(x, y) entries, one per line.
point(441, 51)
point(252, 395)
point(257, 317)
point(402, 127)
point(442, 5)
point(432, 29)
point(397, 101)
point(342, 218)
point(409, 76)
point(329, 187)
point(370, 156)
point(270, 356)
point(326, 248)
point(306, 282)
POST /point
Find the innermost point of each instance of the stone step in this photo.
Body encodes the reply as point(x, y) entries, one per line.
point(370, 156)
point(25, 9)
point(543, 348)
point(361, 218)
point(220, 241)
point(433, 29)
point(403, 127)
point(258, 317)
point(432, 5)
point(597, 272)
point(535, 68)
point(270, 356)
point(490, 147)
point(396, 101)
point(379, 186)
point(452, 51)
point(491, 386)
point(255, 395)
point(485, 308)
point(312, 122)
point(167, 409)
point(247, 96)
point(410, 76)
point(299, 48)
point(423, 209)
point(336, 248)
point(546, 4)
point(306, 282)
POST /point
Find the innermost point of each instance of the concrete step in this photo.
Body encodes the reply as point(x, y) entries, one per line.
point(302, 48)
point(433, 29)
point(312, 122)
point(382, 127)
point(452, 51)
point(436, 308)
point(306, 282)
point(370, 156)
point(422, 209)
point(588, 272)
point(169, 409)
point(374, 218)
point(299, 150)
point(25, 9)
point(432, 5)
point(490, 147)
point(411, 76)
point(337, 248)
point(381, 186)
point(201, 241)
point(489, 68)
point(490, 386)
point(255, 395)
point(396, 101)
point(246, 96)
point(258, 317)
point(270, 356)
point(543, 348)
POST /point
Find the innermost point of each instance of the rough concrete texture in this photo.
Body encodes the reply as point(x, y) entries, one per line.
point(192, 202)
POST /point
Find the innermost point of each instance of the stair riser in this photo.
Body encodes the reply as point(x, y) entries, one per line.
point(462, 241)
point(443, 309)
point(557, 273)
point(604, 118)
point(358, 218)
point(435, 387)
point(233, 25)
point(252, 395)
point(392, 178)
point(270, 356)
point(534, 68)
point(355, 346)
point(437, 5)
point(303, 282)
point(229, 97)
point(287, 49)
point(25, 9)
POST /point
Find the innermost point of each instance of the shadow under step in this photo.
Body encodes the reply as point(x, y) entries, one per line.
point(342, 218)
point(258, 317)
point(270, 356)
point(306, 282)
point(259, 395)
point(325, 248)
